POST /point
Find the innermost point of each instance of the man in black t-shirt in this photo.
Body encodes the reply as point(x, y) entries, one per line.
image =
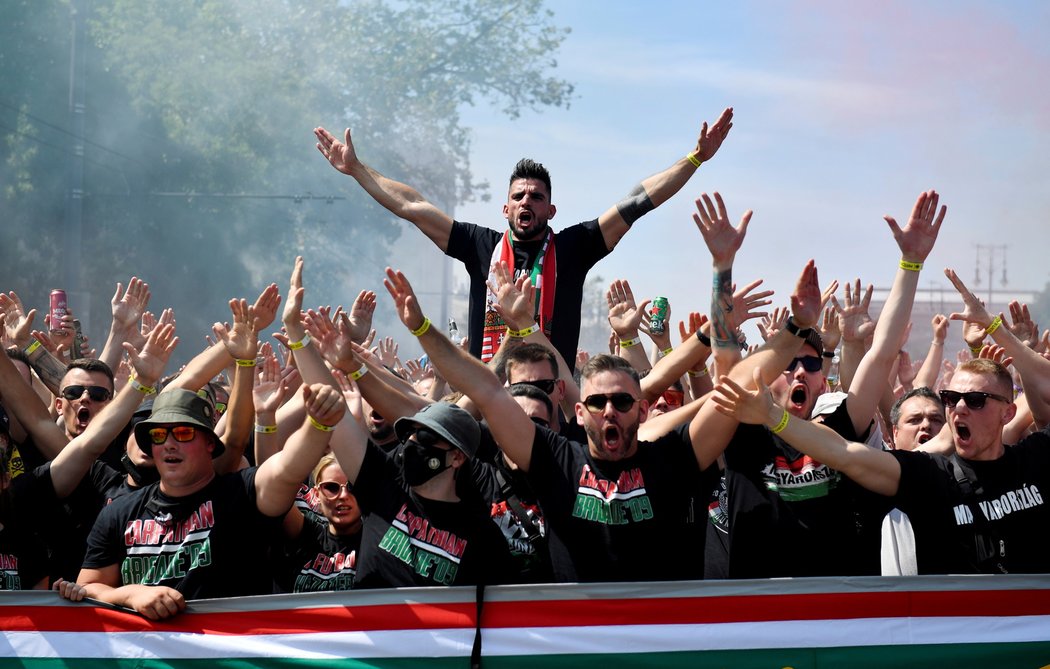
point(980, 509)
point(186, 536)
point(529, 242)
point(617, 509)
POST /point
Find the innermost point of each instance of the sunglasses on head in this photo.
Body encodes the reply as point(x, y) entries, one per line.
point(545, 385)
point(95, 393)
point(621, 402)
point(330, 489)
point(974, 399)
point(810, 363)
point(180, 433)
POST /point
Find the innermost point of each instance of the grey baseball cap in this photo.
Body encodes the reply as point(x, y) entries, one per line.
point(448, 421)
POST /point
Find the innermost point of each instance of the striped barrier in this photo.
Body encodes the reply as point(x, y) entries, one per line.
point(960, 622)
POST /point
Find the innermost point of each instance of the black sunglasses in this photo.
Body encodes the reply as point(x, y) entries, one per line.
point(545, 385)
point(426, 438)
point(810, 363)
point(330, 489)
point(621, 402)
point(96, 393)
point(974, 399)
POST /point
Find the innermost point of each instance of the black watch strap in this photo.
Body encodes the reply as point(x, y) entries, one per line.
point(801, 333)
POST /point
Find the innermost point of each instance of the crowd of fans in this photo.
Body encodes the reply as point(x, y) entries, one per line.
point(324, 462)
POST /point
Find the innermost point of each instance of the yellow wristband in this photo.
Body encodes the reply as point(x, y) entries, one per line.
point(628, 343)
point(911, 266)
point(32, 347)
point(246, 363)
point(296, 345)
point(265, 429)
point(525, 332)
point(422, 329)
point(976, 350)
point(693, 159)
point(320, 426)
point(702, 372)
point(144, 389)
point(668, 351)
point(782, 424)
point(354, 376)
point(996, 322)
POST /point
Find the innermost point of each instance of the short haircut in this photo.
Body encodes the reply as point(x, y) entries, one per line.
point(986, 367)
point(533, 393)
point(530, 352)
point(527, 168)
point(92, 365)
point(603, 362)
point(921, 391)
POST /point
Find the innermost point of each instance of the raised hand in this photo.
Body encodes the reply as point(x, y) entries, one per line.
point(806, 300)
point(360, 316)
point(293, 308)
point(387, 352)
point(854, 320)
point(996, 353)
point(939, 323)
point(270, 388)
point(149, 362)
point(745, 406)
point(128, 309)
point(241, 341)
point(722, 239)
point(324, 403)
point(916, 239)
point(18, 323)
point(515, 299)
point(624, 315)
point(405, 303)
point(973, 308)
point(773, 323)
point(341, 155)
point(830, 333)
point(265, 307)
point(696, 321)
point(711, 139)
point(746, 301)
point(1022, 325)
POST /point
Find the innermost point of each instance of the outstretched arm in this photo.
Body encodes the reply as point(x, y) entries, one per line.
point(878, 471)
point(660, 187)
point(511, 428)
point(400, 199)
point(916, 241)
point(1033, 368)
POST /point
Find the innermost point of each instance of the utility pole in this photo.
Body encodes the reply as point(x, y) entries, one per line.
point(990, 251)
point(75, 166)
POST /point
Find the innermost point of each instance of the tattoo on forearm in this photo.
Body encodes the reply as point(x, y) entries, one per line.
point(721, 309)
point(50, 370)
point(635, 205)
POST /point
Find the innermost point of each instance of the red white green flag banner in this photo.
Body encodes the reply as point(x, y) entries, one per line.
point(959, 622)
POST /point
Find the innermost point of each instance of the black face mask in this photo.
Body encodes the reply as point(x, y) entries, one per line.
point(421, 463)
point(142, 476)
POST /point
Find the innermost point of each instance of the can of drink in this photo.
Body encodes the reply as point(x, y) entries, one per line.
point(59, 308)
point(658, 315)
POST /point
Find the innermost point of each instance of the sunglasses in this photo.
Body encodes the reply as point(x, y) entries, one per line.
point(330, 489)
point(180, 433)
point(426, 438)
point(810, 363)
point(545, 385)
point(621, 402)
point(974, 399)
point(95, 393)
point(673, 398)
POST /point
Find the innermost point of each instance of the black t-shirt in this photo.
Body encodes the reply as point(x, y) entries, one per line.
point(630, 520)
point(212, 543)
point(528, 547)
point(784, 513)
point(317, 560)
point(1010, 514)
point(408, 540)
point(577, 249)
point(26, 508)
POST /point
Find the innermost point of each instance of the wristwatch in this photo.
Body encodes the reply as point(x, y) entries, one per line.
point(801, 333)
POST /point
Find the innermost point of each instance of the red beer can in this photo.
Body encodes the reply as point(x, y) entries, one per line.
point(59, 308)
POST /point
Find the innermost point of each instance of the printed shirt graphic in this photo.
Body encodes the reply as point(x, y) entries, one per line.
point(1011, 515)
point(799, 478)
point(409, 540)
point(208, 544)
point(627, 520)
point(322, 561)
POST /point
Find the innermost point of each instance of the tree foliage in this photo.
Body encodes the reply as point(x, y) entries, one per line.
point(199, 159)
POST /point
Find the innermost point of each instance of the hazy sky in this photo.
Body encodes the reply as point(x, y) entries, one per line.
point(844, 112)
